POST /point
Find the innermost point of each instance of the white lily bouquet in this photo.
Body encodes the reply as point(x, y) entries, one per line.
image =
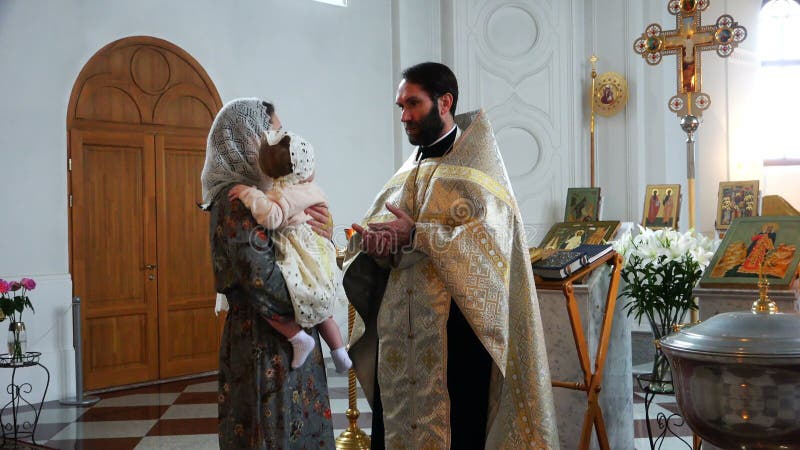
point(661, 269)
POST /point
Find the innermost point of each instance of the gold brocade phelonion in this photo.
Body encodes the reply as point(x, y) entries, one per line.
point(469, 185)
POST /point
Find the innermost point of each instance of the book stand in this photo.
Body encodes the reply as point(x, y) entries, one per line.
point(591, 379)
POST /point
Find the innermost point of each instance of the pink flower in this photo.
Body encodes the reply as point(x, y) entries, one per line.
point(15, 286)
point(4, 286)
point(28, 284)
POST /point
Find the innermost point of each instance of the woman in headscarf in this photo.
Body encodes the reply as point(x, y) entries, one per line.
point(263, 403)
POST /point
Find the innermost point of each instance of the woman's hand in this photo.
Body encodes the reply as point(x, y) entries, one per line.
point(321, 221)
point(235, 191)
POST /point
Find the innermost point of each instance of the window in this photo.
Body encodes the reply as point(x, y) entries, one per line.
point(334, 2)
point(779, 81)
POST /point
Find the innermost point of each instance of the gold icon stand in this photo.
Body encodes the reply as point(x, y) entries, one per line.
point(608, 96)
point(591, 380)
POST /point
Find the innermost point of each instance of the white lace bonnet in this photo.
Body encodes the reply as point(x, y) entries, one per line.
point(302, 154)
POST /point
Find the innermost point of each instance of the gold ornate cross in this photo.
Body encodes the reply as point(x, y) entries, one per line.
point(687, 40)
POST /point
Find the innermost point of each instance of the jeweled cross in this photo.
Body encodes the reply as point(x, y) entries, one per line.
point(687, 40)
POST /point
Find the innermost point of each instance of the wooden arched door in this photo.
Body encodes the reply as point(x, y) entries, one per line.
point(137, 123)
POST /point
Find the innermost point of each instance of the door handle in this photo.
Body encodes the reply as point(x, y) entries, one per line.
point(150, 266)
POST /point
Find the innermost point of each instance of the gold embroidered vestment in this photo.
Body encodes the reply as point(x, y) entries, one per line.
point(469, 247)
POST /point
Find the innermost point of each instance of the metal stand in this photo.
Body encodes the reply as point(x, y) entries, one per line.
point(690, 124)
point(18, 428)
point(77, 344)
point(353, 438)
point(592, 158)
point(664, 422)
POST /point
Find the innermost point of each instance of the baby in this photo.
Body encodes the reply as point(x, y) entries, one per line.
point(306, 259)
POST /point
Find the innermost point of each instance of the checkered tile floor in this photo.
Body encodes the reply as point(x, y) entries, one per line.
point(177, 415)
point(183, 415)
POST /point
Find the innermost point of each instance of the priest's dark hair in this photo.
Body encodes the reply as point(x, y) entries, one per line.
point(436, 79)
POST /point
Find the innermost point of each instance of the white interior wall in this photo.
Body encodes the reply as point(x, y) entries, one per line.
point(619, 141)
point(417, 26)
point(520, 62)
point(328, 69)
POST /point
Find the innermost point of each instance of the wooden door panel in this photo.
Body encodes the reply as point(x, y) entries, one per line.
point(124, 360)
point(193, 346)
point(113, 187)
point(113, 240)
point(189, 333)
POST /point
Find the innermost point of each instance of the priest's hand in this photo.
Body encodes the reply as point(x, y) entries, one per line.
point(373, 243)
point(321, 220)
point(398, 231)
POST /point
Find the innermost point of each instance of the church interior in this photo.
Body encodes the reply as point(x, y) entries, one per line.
point(673, 114)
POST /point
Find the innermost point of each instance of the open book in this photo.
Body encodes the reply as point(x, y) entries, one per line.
point(563, 263)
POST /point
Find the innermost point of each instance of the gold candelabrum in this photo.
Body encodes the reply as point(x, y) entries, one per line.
point(353, 438)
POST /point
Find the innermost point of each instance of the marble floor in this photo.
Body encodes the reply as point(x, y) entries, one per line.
point(183, 415)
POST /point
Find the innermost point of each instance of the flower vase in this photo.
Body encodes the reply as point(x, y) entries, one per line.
point(662, 375)
point(17, 340)
point(661, 382)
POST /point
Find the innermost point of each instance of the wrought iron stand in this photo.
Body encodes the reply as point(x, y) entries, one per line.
point(17, 428)
point(664, 421)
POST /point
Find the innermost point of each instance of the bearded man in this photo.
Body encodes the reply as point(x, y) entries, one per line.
point(448, 345)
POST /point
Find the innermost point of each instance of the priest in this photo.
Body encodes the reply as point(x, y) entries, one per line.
point(448, 343)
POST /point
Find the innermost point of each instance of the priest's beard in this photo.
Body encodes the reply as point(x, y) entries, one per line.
point(427, 129)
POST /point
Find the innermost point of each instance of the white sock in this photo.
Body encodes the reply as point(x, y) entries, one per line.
point(302, 344)
point(341, 360)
